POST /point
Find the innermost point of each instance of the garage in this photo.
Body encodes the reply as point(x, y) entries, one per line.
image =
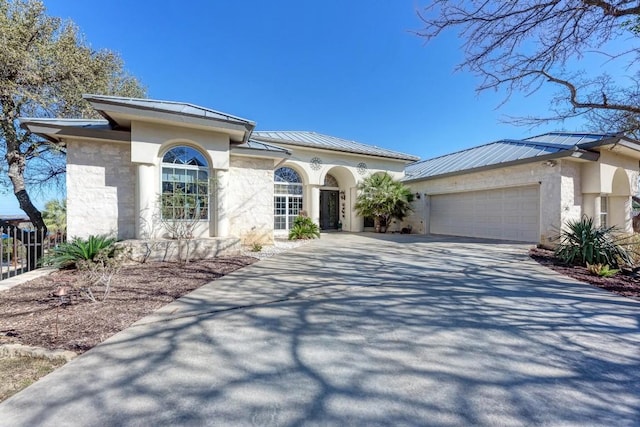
point(511, 213)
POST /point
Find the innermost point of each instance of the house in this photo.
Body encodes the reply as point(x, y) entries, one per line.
point(240, 183)
point(524, 190)
point(248, 185)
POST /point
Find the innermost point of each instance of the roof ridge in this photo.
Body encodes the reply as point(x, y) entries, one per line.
point(566, 133)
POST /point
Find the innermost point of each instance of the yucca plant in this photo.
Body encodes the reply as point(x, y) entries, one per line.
point(69, 254)
point(582, 242)
point(304, 228)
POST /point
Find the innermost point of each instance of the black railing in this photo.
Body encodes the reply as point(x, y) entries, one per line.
point(22, 250)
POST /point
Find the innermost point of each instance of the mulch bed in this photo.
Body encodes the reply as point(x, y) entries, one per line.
point(32, 314)
point(625, 283)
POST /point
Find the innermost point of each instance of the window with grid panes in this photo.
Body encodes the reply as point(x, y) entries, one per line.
point(287, 197)
point(185, 184)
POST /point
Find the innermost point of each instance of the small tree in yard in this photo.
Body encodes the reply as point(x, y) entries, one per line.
point(180, 212)
point(45, 67)
point(384, 199)
point(55, 216)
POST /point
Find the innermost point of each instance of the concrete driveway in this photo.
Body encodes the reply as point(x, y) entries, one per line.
point(363, 330)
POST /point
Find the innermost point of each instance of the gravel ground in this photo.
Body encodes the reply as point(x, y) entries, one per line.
point(279, 246)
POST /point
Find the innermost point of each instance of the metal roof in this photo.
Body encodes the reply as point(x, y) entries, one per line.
point(504, 152)
point(57, 122)
point(317, 140)
point(570, 139)
point(257, 145)
point(165, 106)
point(56, 129)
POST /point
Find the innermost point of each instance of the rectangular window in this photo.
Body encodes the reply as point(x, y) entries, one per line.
point(604, 211)
point(185, 194)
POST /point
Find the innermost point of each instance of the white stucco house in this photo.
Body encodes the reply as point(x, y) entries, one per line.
point(248, 185)
point(524, 190)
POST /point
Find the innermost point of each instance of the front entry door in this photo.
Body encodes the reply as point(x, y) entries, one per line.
point(329, 209)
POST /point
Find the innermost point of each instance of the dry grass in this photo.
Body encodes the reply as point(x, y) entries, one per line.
point(18, 372)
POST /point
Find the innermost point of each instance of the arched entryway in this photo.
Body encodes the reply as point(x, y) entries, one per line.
point(615, 208)
point(336, 200)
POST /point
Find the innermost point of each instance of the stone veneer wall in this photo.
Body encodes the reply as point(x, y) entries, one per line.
point(250, 202)
point(529, 174)
point(100, 189)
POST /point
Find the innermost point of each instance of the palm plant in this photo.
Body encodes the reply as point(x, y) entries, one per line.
point(55, 216)
point(304, 228)
point(70, 254)
point(383, 198)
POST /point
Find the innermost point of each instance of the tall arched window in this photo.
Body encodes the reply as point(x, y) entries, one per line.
point(288, 197)
point(185, 184)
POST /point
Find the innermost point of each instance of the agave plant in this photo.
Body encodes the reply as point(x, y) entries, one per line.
point(69, 254)
point(583, 243)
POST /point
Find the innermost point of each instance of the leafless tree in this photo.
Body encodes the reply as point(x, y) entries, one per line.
point(521, 45)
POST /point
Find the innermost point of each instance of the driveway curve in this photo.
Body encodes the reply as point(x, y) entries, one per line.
point(363, 330)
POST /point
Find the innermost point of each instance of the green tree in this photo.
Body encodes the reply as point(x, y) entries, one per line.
point(522, 45)
point(55, 215)
point(45, 67)
point(384, 199)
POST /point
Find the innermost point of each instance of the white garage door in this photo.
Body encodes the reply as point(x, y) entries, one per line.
point(506, 214)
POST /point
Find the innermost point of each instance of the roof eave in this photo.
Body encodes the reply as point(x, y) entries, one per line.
point(256, 152)
point(55, 133)
point(574, 153)
point(105, 105)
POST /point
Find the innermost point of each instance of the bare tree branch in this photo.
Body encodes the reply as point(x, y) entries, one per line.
point(519, 46)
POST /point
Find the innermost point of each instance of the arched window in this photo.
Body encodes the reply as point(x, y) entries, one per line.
point(330, 181)
point(185, 184)
point(288, 197)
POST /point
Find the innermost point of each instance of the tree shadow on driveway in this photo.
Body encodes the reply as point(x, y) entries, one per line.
point(354, 330)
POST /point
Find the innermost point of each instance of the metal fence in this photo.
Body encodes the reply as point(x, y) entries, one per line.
point(22, 250)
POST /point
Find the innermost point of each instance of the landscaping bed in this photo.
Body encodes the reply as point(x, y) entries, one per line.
point(32, 313)
point(625, 283)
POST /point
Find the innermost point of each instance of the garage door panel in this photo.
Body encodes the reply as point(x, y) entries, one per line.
point(506, 214)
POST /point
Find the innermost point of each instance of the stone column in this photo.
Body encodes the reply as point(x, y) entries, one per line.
point(222, 203)
point(589, 205)
point(314, 204)
point(357, 222)
point(426, 227)
point(145, 200)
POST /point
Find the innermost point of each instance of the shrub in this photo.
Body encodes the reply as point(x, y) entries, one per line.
point(304, 228)
point(98, 273)
point(582, 242)
point(256, 247)
point(601, 270)
point(69, 254)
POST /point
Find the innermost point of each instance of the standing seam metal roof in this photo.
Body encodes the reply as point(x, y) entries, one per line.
point(167, 106)
point(499, 152)
point(317, 140)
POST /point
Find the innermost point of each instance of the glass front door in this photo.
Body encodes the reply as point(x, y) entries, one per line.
point(329, 209)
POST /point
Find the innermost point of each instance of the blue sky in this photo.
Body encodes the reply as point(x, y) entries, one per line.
point(352, 69)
